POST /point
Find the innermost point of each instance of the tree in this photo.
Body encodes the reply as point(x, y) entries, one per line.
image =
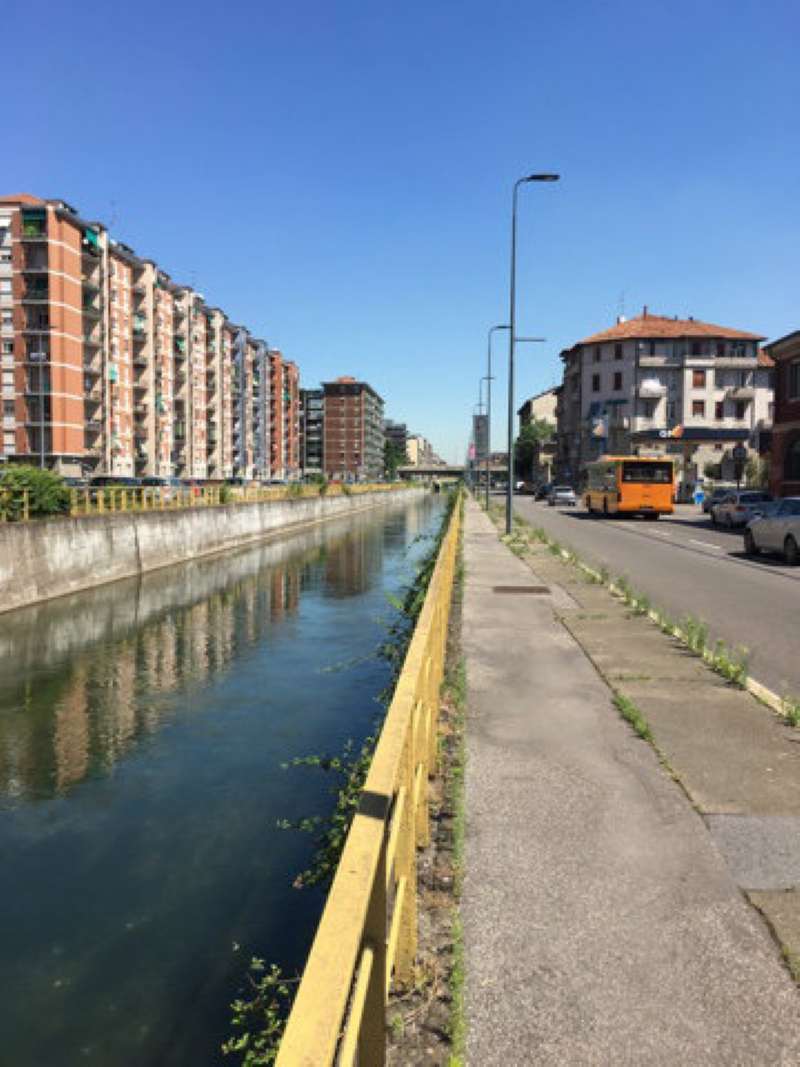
point(532, 436)
point(393, 457)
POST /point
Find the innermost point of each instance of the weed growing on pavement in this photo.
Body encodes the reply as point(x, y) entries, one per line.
point(790, 709)
point(696, 634)
point(641, 604)
point(631, 714)
point(665, 623)
point(732, 665)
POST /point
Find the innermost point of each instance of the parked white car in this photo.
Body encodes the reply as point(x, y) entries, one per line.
point(739, 507)
point(778, 530)
point(562, 496)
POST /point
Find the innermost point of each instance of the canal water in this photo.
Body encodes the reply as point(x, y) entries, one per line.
point(143, 728)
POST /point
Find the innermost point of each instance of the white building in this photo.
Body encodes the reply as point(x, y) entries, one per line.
point(653, 383)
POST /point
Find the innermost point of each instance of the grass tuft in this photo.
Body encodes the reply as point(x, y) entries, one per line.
point(631, 714)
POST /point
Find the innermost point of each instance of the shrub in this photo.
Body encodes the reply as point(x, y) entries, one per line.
point(47, 494)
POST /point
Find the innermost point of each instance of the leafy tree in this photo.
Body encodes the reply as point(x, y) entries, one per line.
point(47, 494)
point(526, 447)
point(393, 457)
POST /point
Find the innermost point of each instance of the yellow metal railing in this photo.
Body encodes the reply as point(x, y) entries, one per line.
point(367, 936)
point(14, 505)
point(102, 500)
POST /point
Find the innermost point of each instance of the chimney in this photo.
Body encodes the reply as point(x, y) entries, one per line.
point(644, 312)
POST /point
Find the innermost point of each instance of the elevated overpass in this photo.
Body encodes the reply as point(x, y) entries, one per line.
point(432, 473)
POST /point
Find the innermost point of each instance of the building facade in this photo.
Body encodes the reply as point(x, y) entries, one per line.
point(312, 422)
point(542, 408)
point(110, 367)
point(658, 384)
point(353, 431)
point(396, 433)
point(785, 454)
point(419, 451)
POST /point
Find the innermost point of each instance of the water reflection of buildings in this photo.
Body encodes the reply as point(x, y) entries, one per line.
point(56, 727)
point(83, 678)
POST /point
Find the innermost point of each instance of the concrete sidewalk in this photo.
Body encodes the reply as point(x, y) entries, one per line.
point(601, 924)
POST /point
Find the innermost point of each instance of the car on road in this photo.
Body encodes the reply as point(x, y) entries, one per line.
point(739, 507)
point(716, 496)
point(562, 496)
point(543, 491)
point(777, 530)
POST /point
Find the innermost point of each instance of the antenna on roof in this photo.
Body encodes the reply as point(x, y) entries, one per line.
point(621, 307)
point(112, 222)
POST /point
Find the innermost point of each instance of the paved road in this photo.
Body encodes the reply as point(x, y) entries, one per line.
point(685, 565)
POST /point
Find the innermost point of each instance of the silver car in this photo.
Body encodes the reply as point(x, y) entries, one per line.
point(562, 496)
point(739, 507)
point(778, 530)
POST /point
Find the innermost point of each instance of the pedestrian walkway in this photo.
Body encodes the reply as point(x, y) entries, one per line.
point(601, 924)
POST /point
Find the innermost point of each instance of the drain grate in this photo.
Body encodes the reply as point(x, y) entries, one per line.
point(521, 590)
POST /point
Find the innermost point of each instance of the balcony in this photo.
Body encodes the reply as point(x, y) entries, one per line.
point(91, 311)
point(140, 410)
point(651, 389)
point(92, 340)
point(34, 230)
point(740, 392)
point(139, 359)
point(93, 369)
point(91, 392)
point(93, 426)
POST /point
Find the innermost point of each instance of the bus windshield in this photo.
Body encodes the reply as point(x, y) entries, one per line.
point(647, 472)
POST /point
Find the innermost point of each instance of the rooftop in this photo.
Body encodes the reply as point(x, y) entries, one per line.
point(652, 326)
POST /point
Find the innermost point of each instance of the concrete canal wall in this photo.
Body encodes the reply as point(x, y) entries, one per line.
point(40, 560)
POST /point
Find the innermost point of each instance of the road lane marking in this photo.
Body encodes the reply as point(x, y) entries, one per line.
point(706, 544)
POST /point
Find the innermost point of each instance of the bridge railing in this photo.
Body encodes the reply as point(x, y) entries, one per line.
point(367, 936)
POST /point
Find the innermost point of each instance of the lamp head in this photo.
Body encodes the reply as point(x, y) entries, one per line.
point(542, 178)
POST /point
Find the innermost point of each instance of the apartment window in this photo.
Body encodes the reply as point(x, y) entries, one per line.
point(5, 285)
point(595, 383)
point(618, 350)
point(617, 381)
point(719, 410)
point(698, 409)
point(597, 353)
point(8, 409)
point(698, 379)
point(670, 411)
point(9, 442)
point(8, 348)
point(719, 348)
point(741, 409)
point(794, 380)
point(695, 348)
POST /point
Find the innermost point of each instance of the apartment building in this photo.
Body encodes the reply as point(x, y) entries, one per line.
point(312, 404)
point(109, 366)
point(396, 433)
point(419, 451)
point(660, 384)
point(784, 469)
point(285, 414)
point(353, 431)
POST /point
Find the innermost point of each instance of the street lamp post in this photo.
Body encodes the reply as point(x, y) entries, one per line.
point(489, 381)
point(511, 338)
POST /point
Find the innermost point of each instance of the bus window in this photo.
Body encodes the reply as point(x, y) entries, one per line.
point(647, 472)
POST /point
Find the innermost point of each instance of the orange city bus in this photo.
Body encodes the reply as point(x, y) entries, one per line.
point(630, 485)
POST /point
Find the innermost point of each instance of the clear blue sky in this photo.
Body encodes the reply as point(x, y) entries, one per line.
point(337, 176)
